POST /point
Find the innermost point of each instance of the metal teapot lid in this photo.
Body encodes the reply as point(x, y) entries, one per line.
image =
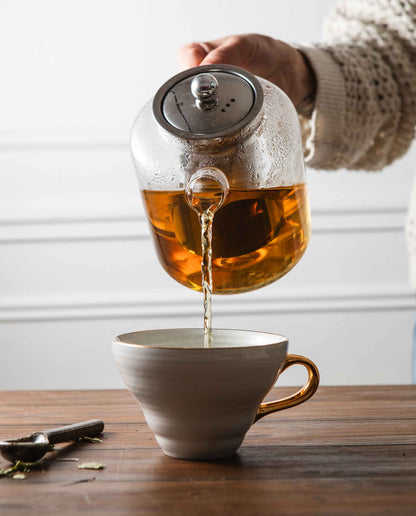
point(210, 101)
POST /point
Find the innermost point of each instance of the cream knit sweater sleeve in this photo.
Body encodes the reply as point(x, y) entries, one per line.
point(365, 111)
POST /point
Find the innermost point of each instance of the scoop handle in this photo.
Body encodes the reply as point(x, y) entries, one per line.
point(73, 432)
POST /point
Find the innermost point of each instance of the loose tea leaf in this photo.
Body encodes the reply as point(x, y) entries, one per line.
point(19, 476)
point(91, 439)
point(91, 465)
point(6, 471)
point(25, 467)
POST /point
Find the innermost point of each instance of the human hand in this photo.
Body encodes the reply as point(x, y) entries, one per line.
point(269, 58)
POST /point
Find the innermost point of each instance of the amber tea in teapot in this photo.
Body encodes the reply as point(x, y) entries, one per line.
point(258, 236)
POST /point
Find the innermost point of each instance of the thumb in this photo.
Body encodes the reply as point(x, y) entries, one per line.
point(224, 54)
point(191, 55)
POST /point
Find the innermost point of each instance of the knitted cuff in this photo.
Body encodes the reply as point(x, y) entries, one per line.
point(325, 141)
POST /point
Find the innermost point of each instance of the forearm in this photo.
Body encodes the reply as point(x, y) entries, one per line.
point(365, 107)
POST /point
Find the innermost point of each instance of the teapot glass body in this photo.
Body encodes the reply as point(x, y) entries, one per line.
point(262, 228)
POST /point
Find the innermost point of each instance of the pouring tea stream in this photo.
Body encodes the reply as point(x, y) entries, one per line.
point(206, 192)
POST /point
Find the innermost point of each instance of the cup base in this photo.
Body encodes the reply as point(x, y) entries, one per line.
point(204, 458)
point(196, 451)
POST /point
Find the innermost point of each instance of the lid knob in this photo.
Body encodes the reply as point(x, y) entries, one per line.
point(204, 86)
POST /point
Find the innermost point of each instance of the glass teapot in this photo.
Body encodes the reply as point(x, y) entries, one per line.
point(235, 138)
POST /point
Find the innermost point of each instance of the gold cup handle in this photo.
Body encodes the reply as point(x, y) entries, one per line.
point(302, 395)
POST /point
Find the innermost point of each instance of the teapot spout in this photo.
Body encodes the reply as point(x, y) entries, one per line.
point(207, 190)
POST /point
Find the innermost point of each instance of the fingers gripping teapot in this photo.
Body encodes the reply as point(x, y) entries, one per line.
point(219, 137)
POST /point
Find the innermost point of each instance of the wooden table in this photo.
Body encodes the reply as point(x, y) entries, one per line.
point(349, 450)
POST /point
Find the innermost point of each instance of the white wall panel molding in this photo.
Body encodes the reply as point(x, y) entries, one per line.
point(73, 229)
point(331, 221)
point(152, 304)
point(71, 136)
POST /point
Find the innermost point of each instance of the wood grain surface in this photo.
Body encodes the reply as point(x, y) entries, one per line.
point(347, 451)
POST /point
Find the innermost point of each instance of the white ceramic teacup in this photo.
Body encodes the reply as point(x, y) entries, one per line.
point(199, 401)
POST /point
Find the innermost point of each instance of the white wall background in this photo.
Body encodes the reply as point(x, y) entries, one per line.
point(76, 262)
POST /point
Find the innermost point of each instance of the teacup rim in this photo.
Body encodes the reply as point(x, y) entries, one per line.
point(281, 339)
